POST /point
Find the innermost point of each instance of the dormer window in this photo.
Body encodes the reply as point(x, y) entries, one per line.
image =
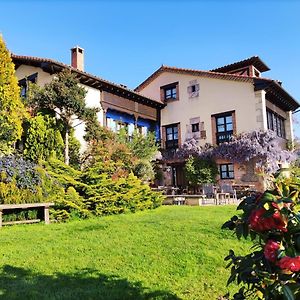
point(169, 92)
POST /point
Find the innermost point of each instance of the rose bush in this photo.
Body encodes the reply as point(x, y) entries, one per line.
point(272, 221)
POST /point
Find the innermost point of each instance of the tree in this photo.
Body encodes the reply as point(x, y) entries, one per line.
point(64, 97)
point(144, 148)
point(12, 110)
point(199, 171)
point(42, 138)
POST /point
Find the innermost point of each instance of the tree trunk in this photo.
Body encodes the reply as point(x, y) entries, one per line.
point(67, 159)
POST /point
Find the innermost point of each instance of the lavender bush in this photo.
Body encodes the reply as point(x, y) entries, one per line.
point(22, 171)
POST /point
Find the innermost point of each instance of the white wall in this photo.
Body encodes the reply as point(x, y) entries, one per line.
point(92, 98)
point(25, 71)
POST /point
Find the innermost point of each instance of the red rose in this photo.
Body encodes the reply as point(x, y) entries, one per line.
point(255, 219)
point(260, 223)
point(270, 250)
point(290, 263)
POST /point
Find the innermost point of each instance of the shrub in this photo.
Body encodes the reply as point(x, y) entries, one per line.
point(110, 157)
point(123, 195)
point(23, 172)
point(199, 171)
point(94, 191)
point(74, 147)
point(144, 170)
point(272, 219)
point(70, 206)
point(42, 138)
point(75, 194)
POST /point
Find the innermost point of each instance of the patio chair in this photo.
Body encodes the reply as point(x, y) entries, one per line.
point(208, 190)
point(227, 188)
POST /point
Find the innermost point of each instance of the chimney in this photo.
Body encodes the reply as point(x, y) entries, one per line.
point(77, 58)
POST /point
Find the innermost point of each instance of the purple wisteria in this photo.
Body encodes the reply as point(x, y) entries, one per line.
point(264, 147)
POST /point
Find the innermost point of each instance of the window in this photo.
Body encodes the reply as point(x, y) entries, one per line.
point(121, 126)
point(23, 83)
point(116, 125)
point(23, 91)
point(193, 89)
point(226, 171)
point(169, 92)
point(172, 136)
point(195, 127)
point(275, 123)
point(224, 128)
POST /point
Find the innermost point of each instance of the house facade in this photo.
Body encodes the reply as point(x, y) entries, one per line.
point(181, 104)
point(211, 106)
point(117, 105)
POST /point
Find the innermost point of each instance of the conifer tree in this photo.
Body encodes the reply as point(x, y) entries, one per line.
point(12, 110)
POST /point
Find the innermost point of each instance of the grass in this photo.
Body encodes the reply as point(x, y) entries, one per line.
point(170, 253)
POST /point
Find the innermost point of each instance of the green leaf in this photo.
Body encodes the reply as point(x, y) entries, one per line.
point(287, 293)
point(239, 231)
point(268, 196)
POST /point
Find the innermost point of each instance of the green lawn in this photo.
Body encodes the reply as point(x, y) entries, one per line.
point(169, 253)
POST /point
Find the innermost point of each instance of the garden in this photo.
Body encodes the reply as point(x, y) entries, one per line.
point(147, 255)
point(110, 237)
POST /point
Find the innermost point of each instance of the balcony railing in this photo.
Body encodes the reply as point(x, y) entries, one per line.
point(223, 137)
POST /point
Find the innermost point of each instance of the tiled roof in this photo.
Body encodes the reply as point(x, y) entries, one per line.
point(85, 78)
point(210, 74)
point(259, 82)
point(254, 60)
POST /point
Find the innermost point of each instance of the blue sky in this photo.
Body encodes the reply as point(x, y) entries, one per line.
point(125, 41)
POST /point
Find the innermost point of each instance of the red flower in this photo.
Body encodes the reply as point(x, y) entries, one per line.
point(270, 250)
point(260, 223)
point(290, 263)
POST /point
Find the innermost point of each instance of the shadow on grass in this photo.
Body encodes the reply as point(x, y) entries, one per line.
point(18, 283)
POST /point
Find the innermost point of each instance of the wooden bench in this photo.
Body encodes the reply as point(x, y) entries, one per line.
point(25, 206)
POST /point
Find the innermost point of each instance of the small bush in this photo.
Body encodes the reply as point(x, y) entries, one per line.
point(23, 172)
point(121, 196)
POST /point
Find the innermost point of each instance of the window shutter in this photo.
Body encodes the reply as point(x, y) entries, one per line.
point(177, 91)
point(201, 126)
point(163, 137)
point(189, 128)
point(162, 94)
point(179, 134)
